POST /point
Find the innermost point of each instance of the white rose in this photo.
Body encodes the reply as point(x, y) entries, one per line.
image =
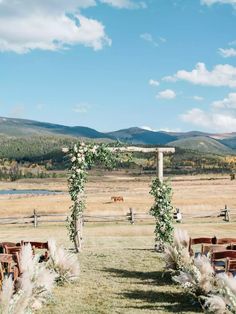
point(65, 149)
point(75, 148)
point(73, 159)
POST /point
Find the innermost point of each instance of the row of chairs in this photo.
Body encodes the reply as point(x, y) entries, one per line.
point(222, 252)
point(10, 257)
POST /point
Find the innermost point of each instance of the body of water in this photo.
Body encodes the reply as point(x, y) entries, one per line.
point(34, 192)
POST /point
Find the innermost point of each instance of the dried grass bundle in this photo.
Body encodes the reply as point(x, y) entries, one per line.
point(36, 282)
point(197, 277)
point(181, 238)
point(64, 264)
point(227, 289)
point(11, 303)
point(206, 281)
point(177, 255)
point(215, 304)
point(6, 295)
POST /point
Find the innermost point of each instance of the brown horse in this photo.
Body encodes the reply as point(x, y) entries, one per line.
point(117, 199)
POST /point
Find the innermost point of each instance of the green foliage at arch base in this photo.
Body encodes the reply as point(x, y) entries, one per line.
point(162, 210)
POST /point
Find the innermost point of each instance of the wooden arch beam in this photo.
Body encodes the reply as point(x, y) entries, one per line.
point(160, 151)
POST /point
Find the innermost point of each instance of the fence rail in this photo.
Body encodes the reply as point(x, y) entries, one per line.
point(132, 217)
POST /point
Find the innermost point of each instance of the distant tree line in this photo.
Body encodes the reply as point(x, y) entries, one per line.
point(46, 152)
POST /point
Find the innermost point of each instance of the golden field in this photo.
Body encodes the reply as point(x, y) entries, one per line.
point(192, 194)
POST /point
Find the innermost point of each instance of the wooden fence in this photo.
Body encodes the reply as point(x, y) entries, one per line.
point(131, 217)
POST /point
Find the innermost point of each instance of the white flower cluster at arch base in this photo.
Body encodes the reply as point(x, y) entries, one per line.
point(215, 292)
point(82, 156)
point(35, 285)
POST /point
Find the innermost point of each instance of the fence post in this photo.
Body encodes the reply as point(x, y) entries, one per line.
point(131, 211)
point(227, 216)
point(35, 219)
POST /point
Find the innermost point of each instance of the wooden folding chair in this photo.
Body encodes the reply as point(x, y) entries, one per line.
point(15, 252)
point(219, 260)
point(195, 241)
point(39, 246)
point(9, 266)
point(210, 248)
point(6, 243)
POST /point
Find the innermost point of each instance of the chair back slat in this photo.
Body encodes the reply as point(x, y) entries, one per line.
point(206, 248)
point(9, 264)
point(226, 241)
point(195, 241)
point(36, 245)
point(205, 240)
point(223, 254)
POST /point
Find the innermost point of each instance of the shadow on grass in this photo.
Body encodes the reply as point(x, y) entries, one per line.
point(174, 302)
point(154, 300)
point(153, 277)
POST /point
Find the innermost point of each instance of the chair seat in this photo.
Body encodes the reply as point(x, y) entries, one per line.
point(219, 263)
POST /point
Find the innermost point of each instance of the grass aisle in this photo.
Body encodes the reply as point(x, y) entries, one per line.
point(121, 275)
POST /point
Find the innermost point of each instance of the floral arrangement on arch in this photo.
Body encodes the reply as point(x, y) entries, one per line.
point(162, 210)
point(82, 156)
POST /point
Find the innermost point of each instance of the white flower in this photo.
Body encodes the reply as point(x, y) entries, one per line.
point(94, 149)
point(73, 159)
point(65, 149)
point(75, 148)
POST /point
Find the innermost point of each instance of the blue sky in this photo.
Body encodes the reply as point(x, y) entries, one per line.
point(112, 64)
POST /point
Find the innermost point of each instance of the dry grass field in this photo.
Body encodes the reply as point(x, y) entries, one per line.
point(120, 272)
point(192, 194)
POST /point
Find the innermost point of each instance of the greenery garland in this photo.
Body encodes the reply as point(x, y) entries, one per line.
point(82, 157)
point(162, 210)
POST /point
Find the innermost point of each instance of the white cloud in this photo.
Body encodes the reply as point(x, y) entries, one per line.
point(226, 53)
point(125, 4)
point(226, 103)
point(210, 2)
point(198, 98)
point(166, 94)
point(196, 116)
point(48, 25)
point(149, 38)
point(81, 108)
point(232, 43)
point(218, 121)
point(162, 39)
point(221, 75)
point(153, 82)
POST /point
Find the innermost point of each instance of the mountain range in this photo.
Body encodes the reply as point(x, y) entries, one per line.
point(220, 143)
